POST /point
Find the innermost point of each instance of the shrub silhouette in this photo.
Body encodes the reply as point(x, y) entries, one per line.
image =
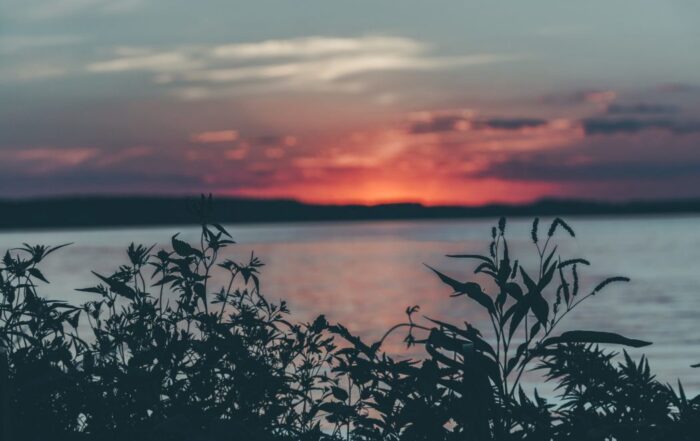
point(163, 355)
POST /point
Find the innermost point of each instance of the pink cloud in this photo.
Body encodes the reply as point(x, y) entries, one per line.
point(236, 154)
point(274, 153)
point(215, 136)
point(124, 155)
point(600, 97)
point(42, 159)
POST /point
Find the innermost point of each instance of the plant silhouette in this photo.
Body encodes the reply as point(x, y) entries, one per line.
point(162, 354)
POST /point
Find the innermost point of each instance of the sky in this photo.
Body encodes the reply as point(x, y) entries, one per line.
point(440, 102)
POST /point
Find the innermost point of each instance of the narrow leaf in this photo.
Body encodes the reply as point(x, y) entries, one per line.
point(595, 337)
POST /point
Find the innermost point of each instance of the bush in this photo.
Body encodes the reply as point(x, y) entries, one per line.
point(222, 363)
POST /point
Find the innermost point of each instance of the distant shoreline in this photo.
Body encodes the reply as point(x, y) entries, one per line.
point(142, 211)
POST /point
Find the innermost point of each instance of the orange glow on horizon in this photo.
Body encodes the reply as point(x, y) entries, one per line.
point(467, 193)
point(409, 161)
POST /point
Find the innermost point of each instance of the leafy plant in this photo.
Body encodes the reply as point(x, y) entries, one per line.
point(469, 385)
point(162, 353)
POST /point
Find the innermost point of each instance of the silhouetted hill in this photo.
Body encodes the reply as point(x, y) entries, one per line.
point(146, 210)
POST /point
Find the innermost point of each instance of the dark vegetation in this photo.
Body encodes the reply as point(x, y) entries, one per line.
point(161, 354)
point(146, 210)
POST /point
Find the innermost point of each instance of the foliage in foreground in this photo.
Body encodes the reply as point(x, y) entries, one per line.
point(161, 354)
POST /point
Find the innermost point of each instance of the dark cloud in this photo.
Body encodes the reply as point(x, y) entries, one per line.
point(443, 123)
point(641, 109)
point(677, 88)
point(540, 169)
point(449, 123)
point(510, 123)
point(267, 140)
point(611, 126)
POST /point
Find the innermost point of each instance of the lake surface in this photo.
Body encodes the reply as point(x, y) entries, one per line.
point(365, 274)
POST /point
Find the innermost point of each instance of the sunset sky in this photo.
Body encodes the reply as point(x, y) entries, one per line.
point(460, 102)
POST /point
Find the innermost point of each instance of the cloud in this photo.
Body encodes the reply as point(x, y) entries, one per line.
point(318, 46)
point(454, 146)
point(51, 159)
point(677, 88)
point(273, 140)
point(611, 126)
point(602, 97)
point(434, 155)
point(215, 136)
point(440, 121)
point(334, 68)
point(45, 159)
point(158, 62)
point(641, 108)
point(466, 120)
point(316, 63)
point(559, 170)
point(237, 154)
point(274, 153)
point(123, 156)
point(448, 142)
point(599, 97)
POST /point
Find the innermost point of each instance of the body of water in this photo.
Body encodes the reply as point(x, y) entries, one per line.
point(365, 274)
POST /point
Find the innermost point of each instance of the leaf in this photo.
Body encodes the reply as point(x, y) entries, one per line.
point(536, 302)
point(535, 329)
point(564, 285)
point(681, 392)
point(471, 334)
point(117, 287)
point(510, 365)
point(470, 256)
point(502, 225)
point(514, 290)
point(56, 248)
point(545, 266)
point(165, 280)
point(95, 290)
point(483, 267)
point(339, 393)
point(199, 290)
point(471, 289)
point(36, 273)
point(557, 222)
point(518, 311)
point(503, 270)
point(608, 281)
point(522, 349)
point(514, 272)
point(182, 248)
point(7, 259)
point(501, 298)
point(547, 277)
point(74, 320)
point(540, 308)
point(533, 232)
point(574, 273)
point(573, 262)
point(595, 337)
point(221, 229)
